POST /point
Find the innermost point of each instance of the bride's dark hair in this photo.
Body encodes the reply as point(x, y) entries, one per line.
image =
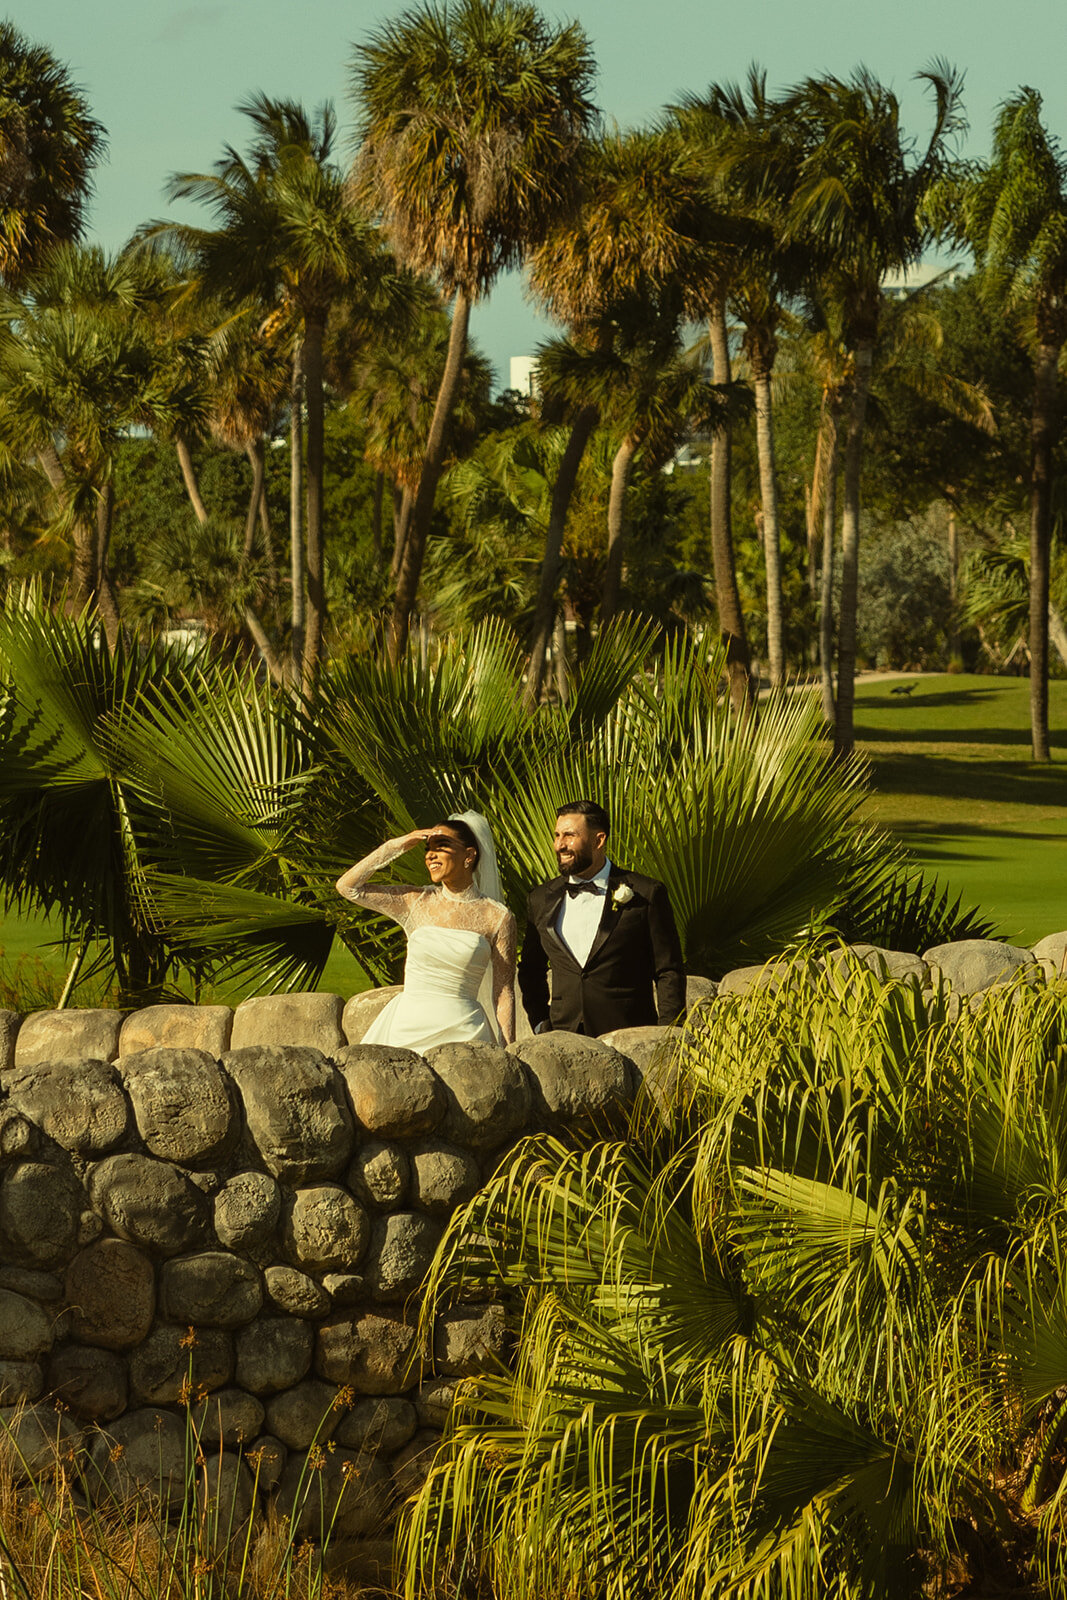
point(465, 832)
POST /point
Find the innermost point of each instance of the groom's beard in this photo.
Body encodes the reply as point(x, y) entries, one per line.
point(577, 863)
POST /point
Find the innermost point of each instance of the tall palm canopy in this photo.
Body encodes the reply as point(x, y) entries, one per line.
point(49, 145)
point(1013, 214)
point(471, 118)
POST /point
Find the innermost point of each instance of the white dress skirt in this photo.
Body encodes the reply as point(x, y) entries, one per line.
point(439, 1003)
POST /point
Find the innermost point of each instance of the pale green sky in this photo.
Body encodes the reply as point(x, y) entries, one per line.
point(164, 77)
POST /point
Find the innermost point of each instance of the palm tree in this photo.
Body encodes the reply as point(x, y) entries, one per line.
point(841, 168)
point(49, 145)
point(470, 119)
point(1013, 214)
point(288, 234)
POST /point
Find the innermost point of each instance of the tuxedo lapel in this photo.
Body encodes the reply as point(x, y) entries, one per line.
point(609, 918)
point(553, 891)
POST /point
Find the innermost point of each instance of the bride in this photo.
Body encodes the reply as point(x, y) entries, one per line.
point(459, 978)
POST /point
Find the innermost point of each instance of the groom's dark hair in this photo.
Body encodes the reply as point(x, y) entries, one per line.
point(595, 815)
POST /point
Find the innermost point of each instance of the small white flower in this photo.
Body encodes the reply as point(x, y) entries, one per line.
point(621, 895)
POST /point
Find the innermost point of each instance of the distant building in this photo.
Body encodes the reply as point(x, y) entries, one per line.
point(523, 376)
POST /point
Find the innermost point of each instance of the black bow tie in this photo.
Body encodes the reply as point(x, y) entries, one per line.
point(583, 886)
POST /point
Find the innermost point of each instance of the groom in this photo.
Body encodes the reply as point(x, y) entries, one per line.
point(607, 935)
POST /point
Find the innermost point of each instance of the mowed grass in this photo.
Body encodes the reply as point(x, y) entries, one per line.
point(953, 777)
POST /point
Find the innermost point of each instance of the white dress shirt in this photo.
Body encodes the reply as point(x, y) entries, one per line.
point(580, 914)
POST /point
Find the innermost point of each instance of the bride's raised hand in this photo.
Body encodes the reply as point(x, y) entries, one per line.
point(418, 836)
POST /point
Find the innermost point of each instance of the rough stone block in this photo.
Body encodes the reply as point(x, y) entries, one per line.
point(468, 1339)
point(412, 1466)
point(311, 1019)
point(177, 1027)
point(266, 1461)
point(296, 1111)
point(434, 1401)
point(379, 1424)
point(25, 1330)
point(141, 1453)
point(175, 1364)
point(247, 1209)
point(1052, 954)
point(150, 1203)
point(365, 1008)
point(10, 1022)
point(36, 1285)
point(402, 1249)
point(772, 975)
point(488, 1097)
point(182, 1104)
point(20, 1382)
point(698, 991)
point(91, 1382)
point(969, 965)
point(77, 1102)
point(212, 1290)
point(294, 1292)
point(899, 965)
point(110, 1288)
point(37, 1441)
point(443, 1176)
point(379, 1174)
point(575, 1077)
point(41, 1210)
point(273, 1353)
point(393, 1092)
point(369, 1352)
point(347, 1492)
point(75, 1035)
point(324, 1229)
point(304, 1414)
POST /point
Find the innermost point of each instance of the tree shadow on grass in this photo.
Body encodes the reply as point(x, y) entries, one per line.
point(927, 698)
point(975, 736)
point(942, 778)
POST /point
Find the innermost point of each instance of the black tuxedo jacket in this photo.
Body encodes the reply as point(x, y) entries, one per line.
point(635, 961)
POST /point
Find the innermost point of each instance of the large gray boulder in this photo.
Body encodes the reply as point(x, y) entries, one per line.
point(346, 1492)
point(77, 1102)
point(182, 1104)
point(36, 1443)
point(141, 1454)
point(90, 1381)
point(379, 1174)
point(378, 1423)
point(970, 965)
point(273, 1353)
point(468, 1339)
point(247, 1209)
point(487, 1094)
point(177, 1027)
point(295, 1109)
point(900, 965)
point(75, 1035)
point(174, 1364)
point(294, 1292)
point(325, 1229)
point(213, 1290)
point(110, 1289)
point(365, 1008)
point(229, 1418)
point(304, 1414)
point(42, 1214)
point(574, 1077)
point(394, 1093)
point(401, 1251)
point(370, 1352)
point(443, 1176)
point(20, 1382)
point(150, 1203)
point(25, 1331)
point(1051, 952)
point(310, 1019)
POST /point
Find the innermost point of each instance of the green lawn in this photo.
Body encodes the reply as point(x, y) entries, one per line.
point(953, 777)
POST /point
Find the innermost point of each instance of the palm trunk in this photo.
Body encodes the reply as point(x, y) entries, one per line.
point(264, 517)
point(402, 504)
point(955, 655)
point(620, 478)
point(106, 603)
point(261, 639)
point(1042, 437)
point(254, 452)
point(826, 576)
point(316, 552)
point(813, 503)
point(559, 656)
point(83, 565)
point(407, 585)
point(376, 518)
point(844, 734)
point(545, 605)
point(727, 597)
point(192, 488)
point(772, 546)
point(296, 513)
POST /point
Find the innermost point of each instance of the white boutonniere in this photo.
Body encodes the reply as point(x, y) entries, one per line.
point(621, 895)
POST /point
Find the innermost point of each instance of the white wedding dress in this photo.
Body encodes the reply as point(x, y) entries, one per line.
point(461, 951)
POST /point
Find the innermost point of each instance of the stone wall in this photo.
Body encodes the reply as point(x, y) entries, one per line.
point(232, 1211)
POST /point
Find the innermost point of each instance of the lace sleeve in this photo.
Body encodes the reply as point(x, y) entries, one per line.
point(396, 900)
point(503, 957)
